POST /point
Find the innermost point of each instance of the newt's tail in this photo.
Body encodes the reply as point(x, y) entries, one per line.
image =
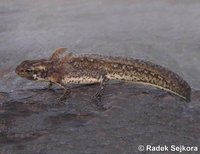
point(147, 73)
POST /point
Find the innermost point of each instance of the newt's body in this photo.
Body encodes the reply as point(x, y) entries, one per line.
point(87, 69)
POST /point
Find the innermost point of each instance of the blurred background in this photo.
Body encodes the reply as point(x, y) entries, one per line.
point(166, 32)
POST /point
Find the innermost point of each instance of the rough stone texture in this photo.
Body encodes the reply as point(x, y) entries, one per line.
point(31, 119)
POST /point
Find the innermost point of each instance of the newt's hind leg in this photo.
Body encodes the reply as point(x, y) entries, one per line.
point(96, 99)
point(101, 89)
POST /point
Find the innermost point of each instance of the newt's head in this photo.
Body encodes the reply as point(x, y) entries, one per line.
point(33, 69)
point(39, 69)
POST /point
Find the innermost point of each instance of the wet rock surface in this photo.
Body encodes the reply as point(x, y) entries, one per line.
point(39, 123)
point(34, 121)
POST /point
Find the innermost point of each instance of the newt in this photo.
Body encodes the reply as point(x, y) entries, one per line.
point(64, 68)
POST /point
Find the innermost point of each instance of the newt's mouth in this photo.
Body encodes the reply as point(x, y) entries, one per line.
point(25, 75)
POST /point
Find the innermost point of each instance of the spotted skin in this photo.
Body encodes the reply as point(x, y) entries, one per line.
point(63, 68)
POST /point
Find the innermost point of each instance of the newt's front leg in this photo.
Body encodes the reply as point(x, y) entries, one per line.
point(66, 90)
point(50, 85)
point(66, 94)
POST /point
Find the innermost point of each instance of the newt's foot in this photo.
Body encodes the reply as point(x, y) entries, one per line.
point(65, 95)
point(96, 100)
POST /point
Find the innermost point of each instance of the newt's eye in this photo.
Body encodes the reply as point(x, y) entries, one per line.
point(28, 70)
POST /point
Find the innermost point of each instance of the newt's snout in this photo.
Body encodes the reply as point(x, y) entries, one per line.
point(23, 70)
point(20, 69)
